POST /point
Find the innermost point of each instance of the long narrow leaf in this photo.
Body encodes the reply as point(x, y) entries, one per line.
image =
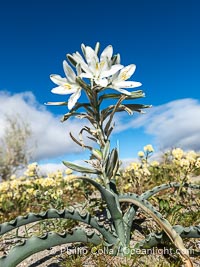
point(163, 223)
point(112, 204)
point(79, 168)
point(134, 95)
point(113, 113)
point(79, 143)
point(36, 244)
point(56, 103)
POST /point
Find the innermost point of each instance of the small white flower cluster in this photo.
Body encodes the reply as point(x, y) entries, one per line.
point(139, 170)
point(148, 149)
point(31, 170)
point(197, 164)
point(186, 160)
point(104, 71)
point(145, 154)
point(177, 153)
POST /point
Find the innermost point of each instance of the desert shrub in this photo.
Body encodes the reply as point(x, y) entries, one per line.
point(14, 152)
point(36, 193)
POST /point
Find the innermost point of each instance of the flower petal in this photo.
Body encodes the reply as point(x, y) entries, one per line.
point(97, 47)
point(61, 90)
point(73, 99)
point(125, 92)
point(127, 72)
point(107, 53)
point(91, 56)
point(78, 58)
point(116, 59)
point(85, 67)
point(69, 72)
point(101, 82)
point(57, 79)
point(126, 84)
point(86, 75)
point(83, 49)
point(79, 69)
point(111, 71)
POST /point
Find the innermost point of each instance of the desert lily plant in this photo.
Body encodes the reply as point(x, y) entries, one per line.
point(102, 78)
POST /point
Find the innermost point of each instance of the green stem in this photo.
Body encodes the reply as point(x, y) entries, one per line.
point(93, 96)
point(98, 126)
point(180, 188)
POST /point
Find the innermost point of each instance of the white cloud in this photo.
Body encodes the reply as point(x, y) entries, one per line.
point(44, 169)
point(50, 137)
point(173, 124)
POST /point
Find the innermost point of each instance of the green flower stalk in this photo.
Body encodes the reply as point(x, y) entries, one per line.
point(95, 75)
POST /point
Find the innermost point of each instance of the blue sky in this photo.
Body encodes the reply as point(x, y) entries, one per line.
point(161, 37)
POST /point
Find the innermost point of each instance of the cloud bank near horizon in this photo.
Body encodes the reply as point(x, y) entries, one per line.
point(50, 137)
point(173, 124)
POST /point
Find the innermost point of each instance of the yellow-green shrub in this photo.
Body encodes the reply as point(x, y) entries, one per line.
point(33, 193)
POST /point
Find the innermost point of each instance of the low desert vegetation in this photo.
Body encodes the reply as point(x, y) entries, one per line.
point(60, 189)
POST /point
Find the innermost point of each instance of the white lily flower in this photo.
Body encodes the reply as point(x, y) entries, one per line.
point(118, 81)
point(95, 68)
point(67, 85)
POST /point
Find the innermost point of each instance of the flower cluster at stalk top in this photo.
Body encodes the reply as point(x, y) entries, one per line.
point(104, 71)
